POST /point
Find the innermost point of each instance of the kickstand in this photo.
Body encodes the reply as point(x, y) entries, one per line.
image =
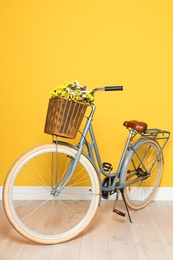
point(119, 212)
point(126, 206)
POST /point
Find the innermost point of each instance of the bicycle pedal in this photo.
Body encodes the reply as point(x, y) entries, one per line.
point(119, 212)
point(107, 167)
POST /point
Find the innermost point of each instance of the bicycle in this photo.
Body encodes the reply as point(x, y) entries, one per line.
point(52, 192)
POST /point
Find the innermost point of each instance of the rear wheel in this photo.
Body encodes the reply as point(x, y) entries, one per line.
point(137, 195)
point(45, 202)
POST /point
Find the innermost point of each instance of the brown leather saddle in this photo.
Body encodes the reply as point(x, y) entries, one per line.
point(136, 125)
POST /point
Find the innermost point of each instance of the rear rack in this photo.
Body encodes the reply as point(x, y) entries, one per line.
point(157, 134)
point(154, 132)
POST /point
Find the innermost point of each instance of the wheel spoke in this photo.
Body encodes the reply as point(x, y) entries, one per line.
point(146, 164)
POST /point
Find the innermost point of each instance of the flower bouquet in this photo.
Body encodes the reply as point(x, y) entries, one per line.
point(73, 91)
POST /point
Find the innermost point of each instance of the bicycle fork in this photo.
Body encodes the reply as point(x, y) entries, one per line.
point(68, 175)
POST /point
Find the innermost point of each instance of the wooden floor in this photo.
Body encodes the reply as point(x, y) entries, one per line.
point(109, 236)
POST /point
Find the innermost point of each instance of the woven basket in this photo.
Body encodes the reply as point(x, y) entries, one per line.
point(64, 117)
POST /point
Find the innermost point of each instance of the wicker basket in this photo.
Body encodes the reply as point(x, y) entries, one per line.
point(64, 117)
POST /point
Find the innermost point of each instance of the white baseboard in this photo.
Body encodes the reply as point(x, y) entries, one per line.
point(0, 192)
point(163, 193)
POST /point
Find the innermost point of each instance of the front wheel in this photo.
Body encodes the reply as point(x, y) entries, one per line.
point(43, 201)
point(143, 165)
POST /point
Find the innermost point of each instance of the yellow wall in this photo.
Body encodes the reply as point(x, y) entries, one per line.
point(98, 42)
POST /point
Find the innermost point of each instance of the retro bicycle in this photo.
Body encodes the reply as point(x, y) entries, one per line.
point(52, 192)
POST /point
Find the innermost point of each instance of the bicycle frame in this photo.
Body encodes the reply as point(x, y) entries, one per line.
point(93, 153)
point(95, 158)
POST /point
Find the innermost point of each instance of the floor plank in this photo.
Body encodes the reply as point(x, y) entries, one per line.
point(162, 222)
point(94, 244)
point(107, 237)
point(119, 236)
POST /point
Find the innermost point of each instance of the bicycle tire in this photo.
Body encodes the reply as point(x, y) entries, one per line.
point(37, 210)
point(139, 194)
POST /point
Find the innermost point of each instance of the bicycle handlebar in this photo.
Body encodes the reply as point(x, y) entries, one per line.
point(109, 88)
point(113, 88)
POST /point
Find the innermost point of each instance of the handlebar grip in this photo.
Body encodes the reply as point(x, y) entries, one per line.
point(113, 88)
